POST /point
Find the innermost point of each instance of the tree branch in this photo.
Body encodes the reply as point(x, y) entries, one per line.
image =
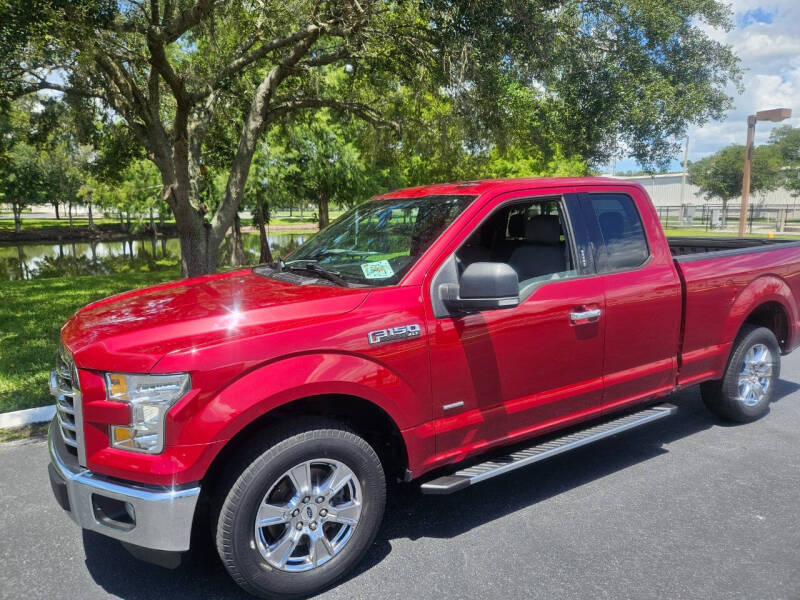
point(242, 62)
point(363, 111)
point(126, 97)
point(326, 59)
point(29, 87)
point(186, 20)
point(253, 128)
point(160, 62)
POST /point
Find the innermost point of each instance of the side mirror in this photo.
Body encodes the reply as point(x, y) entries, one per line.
point(483, 286)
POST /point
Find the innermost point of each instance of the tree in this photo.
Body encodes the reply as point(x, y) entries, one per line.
point(329, 167)
point(134, 190)
point(22, 180)
point(180, 72)
point(786, 141)
point(720, 175)
point(21, 165)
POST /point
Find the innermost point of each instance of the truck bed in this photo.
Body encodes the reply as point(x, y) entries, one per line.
point(723, 280)
point(684, 247)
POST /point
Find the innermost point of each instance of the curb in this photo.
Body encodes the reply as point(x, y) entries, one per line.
point(19, 418)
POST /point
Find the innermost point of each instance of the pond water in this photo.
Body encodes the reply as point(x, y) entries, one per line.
point(32, 261)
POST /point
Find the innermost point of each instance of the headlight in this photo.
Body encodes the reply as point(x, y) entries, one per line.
point(150, 397)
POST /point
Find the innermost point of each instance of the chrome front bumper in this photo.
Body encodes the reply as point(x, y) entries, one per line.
point(157, 518)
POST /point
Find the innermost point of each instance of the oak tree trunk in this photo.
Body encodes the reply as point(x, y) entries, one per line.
point(69, 212)
point(237, 253)
point(323, 199)
point(195, 250)
point(262, 206)
point(91, 218)
point(57, 215)
point(16, 208)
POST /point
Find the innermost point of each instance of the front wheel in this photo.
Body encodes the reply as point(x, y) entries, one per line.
point(747, 388)
point(302, 513)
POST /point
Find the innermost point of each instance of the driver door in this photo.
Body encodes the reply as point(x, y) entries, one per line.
point(506, 374)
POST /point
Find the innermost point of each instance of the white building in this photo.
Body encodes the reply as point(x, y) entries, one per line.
point(665, 190)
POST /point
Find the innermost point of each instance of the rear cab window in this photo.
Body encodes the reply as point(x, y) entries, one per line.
point(620, 240)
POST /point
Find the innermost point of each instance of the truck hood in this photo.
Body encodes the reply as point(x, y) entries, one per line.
point(133, 331)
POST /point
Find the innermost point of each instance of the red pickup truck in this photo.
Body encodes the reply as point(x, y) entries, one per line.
point(447, 333)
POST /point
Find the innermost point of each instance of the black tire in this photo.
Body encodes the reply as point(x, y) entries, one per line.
point(266, 466)
point(722, 396)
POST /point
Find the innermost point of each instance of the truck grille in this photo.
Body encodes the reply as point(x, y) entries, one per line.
point(65, 388)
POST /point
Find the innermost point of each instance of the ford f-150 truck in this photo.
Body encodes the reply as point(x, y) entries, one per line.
point(446, 334)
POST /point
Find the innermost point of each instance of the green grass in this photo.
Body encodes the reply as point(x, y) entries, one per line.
point(28, 224)
point(63, 223)
point(35, 431)
point(292, 221)
point(701, 232)
point(282, 217)
point(31, 315)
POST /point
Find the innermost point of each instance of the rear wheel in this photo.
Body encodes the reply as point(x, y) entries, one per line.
point(745, 392)
point(302, 513)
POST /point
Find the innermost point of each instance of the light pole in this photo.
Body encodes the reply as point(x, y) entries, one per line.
point(683, 173)
point(775, 115)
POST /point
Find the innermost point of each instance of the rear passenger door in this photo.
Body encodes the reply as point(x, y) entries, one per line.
point(642, 297)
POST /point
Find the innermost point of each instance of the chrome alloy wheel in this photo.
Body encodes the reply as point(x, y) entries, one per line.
point(308, 515)
point(756, 375)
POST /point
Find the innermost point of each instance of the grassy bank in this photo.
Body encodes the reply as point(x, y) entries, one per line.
point(35, 431)
point(700, 232)
point(8, 224)
point(31, 315)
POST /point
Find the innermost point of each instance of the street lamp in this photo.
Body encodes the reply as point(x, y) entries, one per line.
point(775, 115)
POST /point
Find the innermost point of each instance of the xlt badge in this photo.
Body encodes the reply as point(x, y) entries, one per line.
point(393, 334)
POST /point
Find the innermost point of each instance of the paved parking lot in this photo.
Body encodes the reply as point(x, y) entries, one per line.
point(683, 508)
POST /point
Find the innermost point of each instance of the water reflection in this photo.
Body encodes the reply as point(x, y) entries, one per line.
point(31, 261)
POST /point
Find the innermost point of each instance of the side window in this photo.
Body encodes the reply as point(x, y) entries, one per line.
point(625, 243)
point(530, 236)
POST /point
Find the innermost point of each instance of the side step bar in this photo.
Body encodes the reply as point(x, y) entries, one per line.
point(447, 484)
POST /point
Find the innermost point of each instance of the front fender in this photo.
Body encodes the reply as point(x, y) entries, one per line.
point(278, 383)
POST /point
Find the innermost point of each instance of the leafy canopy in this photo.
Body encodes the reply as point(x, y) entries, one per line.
point(720, 175)
point(514, 86)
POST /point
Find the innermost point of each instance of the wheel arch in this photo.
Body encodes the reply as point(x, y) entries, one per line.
point(363, 394)
point(774, 316)
point(363, 417)
point(768, 302)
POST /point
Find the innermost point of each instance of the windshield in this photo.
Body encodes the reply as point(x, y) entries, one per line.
point(376, 243)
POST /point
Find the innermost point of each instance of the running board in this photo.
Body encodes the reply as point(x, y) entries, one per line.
point(447, 484)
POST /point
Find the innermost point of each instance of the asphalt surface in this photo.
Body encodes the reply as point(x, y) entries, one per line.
point(686, 507)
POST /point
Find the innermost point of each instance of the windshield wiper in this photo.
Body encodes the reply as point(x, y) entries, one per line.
point(319, 271)
point(340, 252)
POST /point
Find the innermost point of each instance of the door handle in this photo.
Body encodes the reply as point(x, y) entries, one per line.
point(583, 315)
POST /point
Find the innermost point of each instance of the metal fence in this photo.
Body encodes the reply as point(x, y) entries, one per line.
point(712, 217)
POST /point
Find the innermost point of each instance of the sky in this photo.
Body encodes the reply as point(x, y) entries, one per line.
point(766, 37)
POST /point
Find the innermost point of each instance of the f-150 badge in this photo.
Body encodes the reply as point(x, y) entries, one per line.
point(393, 334)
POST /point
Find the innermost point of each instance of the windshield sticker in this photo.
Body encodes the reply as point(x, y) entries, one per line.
point(380, 269)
